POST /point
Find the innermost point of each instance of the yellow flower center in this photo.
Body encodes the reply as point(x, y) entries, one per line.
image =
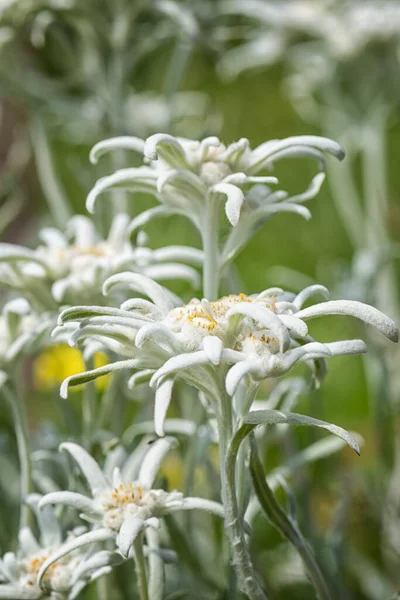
point(122, 495)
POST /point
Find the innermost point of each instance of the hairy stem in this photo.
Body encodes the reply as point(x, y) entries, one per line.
point(234, 524)
point(53, 192)
point(16, 404)
point(211, 268)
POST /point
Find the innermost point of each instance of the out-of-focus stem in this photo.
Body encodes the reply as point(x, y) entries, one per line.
point(54, 194)
point(16, 404)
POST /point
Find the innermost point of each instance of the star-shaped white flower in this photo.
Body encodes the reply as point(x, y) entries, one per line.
point(67, 577)
point(76, 263)
point(238, 336)
point(193, 179)
point(123, 504)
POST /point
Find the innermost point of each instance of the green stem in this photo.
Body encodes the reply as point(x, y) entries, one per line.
point(373, 160)
point(54, 194)
point(88, 409)
point(176, 67)
point(283, 524)
point(16, 404)
point(107, 402)
point(211, 269)
point(234, 524)
point(374, 180)
point(140, 568)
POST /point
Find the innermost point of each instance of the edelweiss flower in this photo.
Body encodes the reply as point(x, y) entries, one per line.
point(20, 329)
point(76, 264)
point(259, 336)
point(193, 178)
point(66, 577)
point(124, 504)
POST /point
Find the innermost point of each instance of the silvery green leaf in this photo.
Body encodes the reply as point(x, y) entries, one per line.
point(269, 293)
point(168, 148)
point(76, 313)
point(130, 529)
point(153, 459)
point(188, 254)
point(140, 378)
point(347, 347)
point(117, 143)
point(144, 307)
point(13, 592)
point(50, 530)
point(309, 292)
point(294, 324)
point(311, 191)
point(72, 499)
point(147, 216)
point(177, 363)
point(213, 347)
point(234, 200)
point(89, 467)
point(27, 541)
point(310, 351)
point(98, 535)
point(161, 403)
point(159, 334)
point(239, 371)
point(278, 207)
point(353, 308)
point(171, 427)
point(141, 179)
point(97, 561)
point(144, 285)
point(209, 506)
point(60, 288)
point(87, 376)
point(173, 271)
point(276, 417)
point(261, 155)
point(186, 181)
point(15, 253)
point(83, 230)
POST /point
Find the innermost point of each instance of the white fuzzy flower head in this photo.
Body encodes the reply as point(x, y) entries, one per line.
point(66, 576)
point(132, 499)
point(258, 336)
point(76, 263)
point(123, 502)
point(201, 179)
point(188, 176)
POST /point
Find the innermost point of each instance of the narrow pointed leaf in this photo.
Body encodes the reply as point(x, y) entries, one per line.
point(353, 308)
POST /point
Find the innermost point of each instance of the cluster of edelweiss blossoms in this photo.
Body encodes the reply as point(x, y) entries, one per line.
point(334, 30)
point(222, 347)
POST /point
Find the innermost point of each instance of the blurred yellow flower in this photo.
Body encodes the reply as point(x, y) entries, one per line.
point(60, 361)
